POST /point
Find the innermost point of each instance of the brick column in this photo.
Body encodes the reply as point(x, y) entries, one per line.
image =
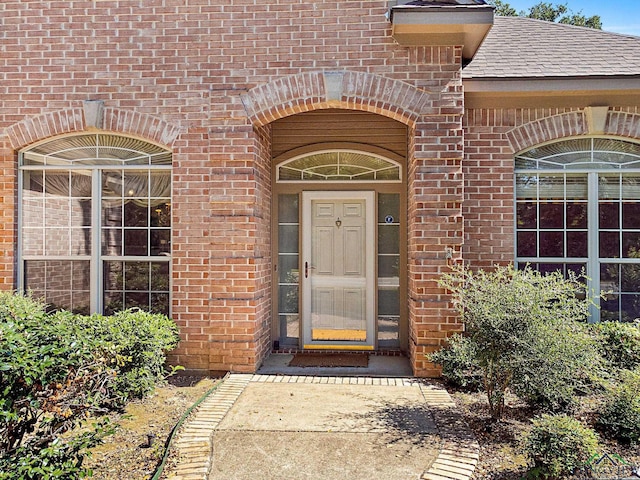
point(435, 222)
point(239, 259)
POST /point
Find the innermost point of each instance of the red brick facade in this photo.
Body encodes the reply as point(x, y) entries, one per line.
point(205, 80)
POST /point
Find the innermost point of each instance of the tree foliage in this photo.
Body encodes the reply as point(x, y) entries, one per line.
point(560, 13)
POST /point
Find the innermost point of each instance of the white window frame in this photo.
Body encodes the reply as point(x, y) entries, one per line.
point(96, 259)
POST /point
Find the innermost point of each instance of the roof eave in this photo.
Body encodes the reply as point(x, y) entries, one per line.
point(464, 25)
point(551, 91)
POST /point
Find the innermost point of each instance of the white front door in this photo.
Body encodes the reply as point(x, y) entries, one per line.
point(338, 254)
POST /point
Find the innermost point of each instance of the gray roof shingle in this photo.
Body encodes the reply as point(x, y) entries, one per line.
point(518, 47)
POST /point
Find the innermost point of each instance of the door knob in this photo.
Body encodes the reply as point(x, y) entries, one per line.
point(307, 267)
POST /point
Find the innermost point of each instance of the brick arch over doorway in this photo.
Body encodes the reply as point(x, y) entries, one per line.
point(350, 90)
point(434, 201)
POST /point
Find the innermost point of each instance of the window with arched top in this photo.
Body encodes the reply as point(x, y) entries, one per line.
point(578, 207)
point(339, 165)
point(95, 223)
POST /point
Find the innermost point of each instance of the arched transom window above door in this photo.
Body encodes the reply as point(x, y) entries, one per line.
point(95, 223)
point(578, 208)
point(339, 165)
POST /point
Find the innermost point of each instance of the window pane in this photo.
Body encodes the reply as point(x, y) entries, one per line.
point(113, 275)
point(135, 215)
point(527, 215)
point(630, 277)
point(631, 244)
point(135, 184)
point(136, 300)
point(526, 187)
point(576, 215)
point(160, 276)
point(160, 242)
point(609, 187)
point(136, 242)
point(551, 187)
point(551, 244)
point(610, 277)
point(577, 187)
point(136, 276)
point(80, 213)
point(112, 215)
point(608, 215)
point(159, 303)
point(61, 284)
point(577, 244)
point(288, 301)
point(57, 241)
point(610, 308)
point(112, 241)
point(630, 307)
point(389, 266)
point(288, 269)
point(32, 241)
point(288, 208)
point(57, 212)
point(289, 329)
point(161, 215)
point(631, 186)
point(609, 245)
point(113, 302)
point(388, 331)
point(388, 301)
point(631, 215)
point(388, 208)
point(288, 239)
point(81, 241)
point(388, 238)
point(527, 244)
point(551, 215)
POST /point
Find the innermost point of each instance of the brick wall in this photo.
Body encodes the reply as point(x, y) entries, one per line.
point(205, 79)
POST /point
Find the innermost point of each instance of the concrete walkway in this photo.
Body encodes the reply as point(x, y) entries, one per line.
point(303, 427)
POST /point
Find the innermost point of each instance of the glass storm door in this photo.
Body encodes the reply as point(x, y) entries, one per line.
point(338, 250)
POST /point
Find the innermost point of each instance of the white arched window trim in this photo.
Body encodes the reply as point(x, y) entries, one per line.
point(339, 166)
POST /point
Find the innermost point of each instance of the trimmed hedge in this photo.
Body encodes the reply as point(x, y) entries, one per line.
point(558, 445)
point(58, 369)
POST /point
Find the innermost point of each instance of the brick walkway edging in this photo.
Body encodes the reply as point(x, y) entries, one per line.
point(457, 459)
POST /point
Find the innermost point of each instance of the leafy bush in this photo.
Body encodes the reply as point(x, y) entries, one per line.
point(57, 369)
point(620, 343)
point(459, 365)
point(619, 416)
point(558, 445)
point(525, 331)
point(562, 363)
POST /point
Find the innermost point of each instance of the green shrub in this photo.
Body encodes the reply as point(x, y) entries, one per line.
point(563, 363)
point(558, 445)
point(57, 369)
point(459, 365)
point(525, 331)
point(620, 343)
point(619, 417)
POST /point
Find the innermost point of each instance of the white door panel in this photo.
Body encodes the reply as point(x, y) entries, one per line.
point(338, 280)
